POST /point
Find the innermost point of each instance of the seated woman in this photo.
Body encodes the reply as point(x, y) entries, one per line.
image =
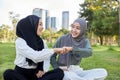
point(77, 47)
point(32, 53)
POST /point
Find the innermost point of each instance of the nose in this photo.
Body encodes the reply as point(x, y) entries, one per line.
point(42, 27)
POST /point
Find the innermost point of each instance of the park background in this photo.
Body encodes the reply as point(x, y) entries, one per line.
point(103, 19)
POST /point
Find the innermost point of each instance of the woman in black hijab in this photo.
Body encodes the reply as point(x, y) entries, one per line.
point(32, 53)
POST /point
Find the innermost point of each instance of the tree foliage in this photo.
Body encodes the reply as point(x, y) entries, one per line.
point(102, 17)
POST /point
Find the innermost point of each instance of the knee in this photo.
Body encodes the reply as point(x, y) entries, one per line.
point(7, 73)
point(104, 71)
point(60, 71)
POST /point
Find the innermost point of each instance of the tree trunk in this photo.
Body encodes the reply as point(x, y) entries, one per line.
point(119, 24)
point(101, 40)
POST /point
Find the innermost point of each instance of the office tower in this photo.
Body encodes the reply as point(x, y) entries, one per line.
point(53, 23)
point(36, 12)
point(47, 20)
point(65, 19)
point(40, 13)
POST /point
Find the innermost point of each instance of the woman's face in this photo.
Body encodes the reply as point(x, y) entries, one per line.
point(40, 28)
point(75, 29)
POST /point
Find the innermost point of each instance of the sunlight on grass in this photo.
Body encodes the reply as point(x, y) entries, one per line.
point(107, 57)
point(99, 48)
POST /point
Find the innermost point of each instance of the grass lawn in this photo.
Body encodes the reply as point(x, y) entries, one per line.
point(103, 57)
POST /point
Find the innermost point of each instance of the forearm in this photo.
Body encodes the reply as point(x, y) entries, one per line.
point(53, 61)
point(84, 52)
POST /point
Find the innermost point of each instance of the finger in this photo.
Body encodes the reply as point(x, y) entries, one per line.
point(39, 74)
point(64, 49)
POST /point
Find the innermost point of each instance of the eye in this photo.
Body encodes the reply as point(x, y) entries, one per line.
point(41, 24)
point(78, 27)
point(72, 26)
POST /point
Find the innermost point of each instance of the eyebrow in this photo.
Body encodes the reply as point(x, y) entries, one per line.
point(40, 22)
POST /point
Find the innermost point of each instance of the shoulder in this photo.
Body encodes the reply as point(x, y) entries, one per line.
point(19, 41)
point(87, 40)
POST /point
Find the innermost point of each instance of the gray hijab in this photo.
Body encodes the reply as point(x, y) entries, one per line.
point(83, 28)
point(68, 40)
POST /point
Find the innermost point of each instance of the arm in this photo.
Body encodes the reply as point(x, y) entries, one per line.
point(37, 56)
point(53, 59)
point(84, 52)
point(46, 64)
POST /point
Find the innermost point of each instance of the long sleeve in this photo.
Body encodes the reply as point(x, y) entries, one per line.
point(46, 64)
point(53, 59)
point(23, 51)
point(84, 52)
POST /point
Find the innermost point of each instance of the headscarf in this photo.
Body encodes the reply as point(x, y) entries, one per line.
point(27, 30)
point(68, 40)
point(83, 28)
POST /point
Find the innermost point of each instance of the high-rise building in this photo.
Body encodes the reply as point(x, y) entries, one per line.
point(44, 14)
point(47, 20)
point(53, 23)
point(65, 19)
point(37, 12)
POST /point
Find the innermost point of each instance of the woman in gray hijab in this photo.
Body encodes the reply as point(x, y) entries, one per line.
point(77, 46)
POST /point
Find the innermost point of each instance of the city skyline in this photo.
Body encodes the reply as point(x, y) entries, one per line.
point(25, 7)
point(49, 21)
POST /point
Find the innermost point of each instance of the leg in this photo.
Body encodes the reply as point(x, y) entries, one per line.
point(56, 74)
point(12, 75)
point(70, 75)
point(94, 74)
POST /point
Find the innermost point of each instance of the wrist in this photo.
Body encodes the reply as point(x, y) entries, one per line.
point(71, 48)
point(54, 50)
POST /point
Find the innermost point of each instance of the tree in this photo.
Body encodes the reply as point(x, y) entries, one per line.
point(101, 20)
point(119, 22)
point(87, 13)
point(14, 19)
point(6, 34)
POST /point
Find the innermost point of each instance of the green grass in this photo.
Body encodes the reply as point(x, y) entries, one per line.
point(103, 57)
point(7, 56)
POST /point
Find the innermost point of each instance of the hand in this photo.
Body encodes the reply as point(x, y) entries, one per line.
point(58, 50)
point(62, 50)
point(40, 74)
point(67, 49)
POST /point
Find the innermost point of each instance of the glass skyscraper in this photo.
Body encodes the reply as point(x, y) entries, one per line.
point(53, 23)
point(65, 19)
point(47, 20)
point(37, 12)
point(44, 14)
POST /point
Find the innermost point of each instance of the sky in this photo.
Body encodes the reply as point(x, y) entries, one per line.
point(25, 7)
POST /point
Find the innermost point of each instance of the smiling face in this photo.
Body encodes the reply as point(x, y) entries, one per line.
point(75, 29)
point(40, 28)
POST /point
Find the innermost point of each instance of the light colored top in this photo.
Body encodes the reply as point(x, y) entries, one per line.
point(23, 51)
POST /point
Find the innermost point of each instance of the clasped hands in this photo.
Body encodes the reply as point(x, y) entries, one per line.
point(63, 50)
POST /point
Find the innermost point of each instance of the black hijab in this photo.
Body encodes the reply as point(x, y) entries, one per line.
point(27, 30)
